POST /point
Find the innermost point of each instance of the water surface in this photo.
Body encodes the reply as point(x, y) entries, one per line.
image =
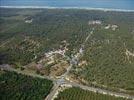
point(107, 4)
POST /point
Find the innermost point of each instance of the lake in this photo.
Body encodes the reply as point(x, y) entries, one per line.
point(105, 4)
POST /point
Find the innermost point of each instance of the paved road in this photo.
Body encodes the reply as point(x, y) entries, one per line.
point(61, 80)
point(102, 91)
point(52, 93)
point(88, 36)
point(9, 68)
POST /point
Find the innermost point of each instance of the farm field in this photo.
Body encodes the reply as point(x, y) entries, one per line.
point(15, 86)
point(75, 93)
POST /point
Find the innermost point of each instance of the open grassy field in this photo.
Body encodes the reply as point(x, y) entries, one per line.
point(15, 86)
point(75, 93)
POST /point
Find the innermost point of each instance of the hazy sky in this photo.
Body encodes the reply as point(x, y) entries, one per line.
point(117, 4)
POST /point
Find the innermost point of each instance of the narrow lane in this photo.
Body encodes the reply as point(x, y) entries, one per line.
point(62, 80)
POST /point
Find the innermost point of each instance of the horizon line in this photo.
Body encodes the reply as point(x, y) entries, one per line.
point(83, 8)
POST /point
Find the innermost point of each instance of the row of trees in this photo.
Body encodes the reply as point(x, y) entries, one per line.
point(15, 86)
point(75, 93)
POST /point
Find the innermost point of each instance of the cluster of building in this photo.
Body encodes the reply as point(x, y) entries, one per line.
point(61, 52)
point(95, 22)
point(29, 21)
point(113, 27)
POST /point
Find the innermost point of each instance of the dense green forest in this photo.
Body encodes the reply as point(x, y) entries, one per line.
point(48, 29)
point(75, 93)
point(21, 41)
point(109, 53)
point(106, 52)
point(15, 86)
